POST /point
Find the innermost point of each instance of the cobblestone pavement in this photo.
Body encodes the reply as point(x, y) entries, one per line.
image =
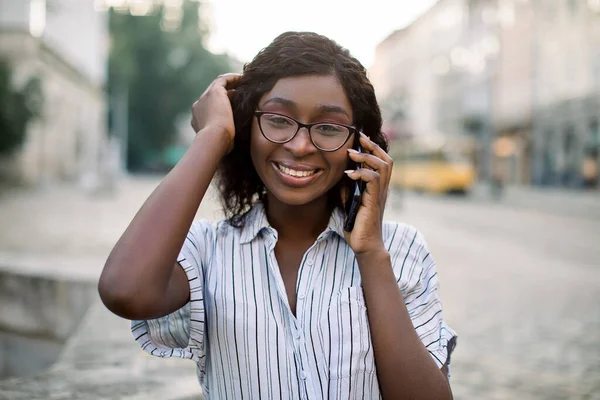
point(521, 286)
point(522, 290)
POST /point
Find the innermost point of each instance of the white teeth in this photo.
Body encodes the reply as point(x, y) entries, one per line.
point(293, 172)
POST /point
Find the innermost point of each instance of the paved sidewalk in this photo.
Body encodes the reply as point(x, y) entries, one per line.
point(64, 230)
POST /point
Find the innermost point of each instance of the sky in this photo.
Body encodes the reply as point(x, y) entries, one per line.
point(243, 27)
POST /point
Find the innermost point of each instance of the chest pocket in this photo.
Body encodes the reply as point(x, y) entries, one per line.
point(346, 336)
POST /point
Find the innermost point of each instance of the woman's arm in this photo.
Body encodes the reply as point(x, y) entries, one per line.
point(141, 278)
point(405, 369)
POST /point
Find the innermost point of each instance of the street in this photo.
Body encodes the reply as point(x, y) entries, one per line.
point(520, 286)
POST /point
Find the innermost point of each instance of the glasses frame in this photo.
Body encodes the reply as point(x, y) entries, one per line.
point(351, 129)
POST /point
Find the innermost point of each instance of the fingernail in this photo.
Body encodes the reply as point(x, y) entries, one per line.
point(349, 171)
point(352, 151)
point(363, 135)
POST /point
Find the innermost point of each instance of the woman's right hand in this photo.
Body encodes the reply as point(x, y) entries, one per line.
point(213, 109)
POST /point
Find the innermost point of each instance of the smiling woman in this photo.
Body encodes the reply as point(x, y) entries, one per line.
point(287, 157)
point(267, 85)
point(278, 300)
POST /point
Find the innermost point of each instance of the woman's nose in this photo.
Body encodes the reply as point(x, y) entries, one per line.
point(301, 144)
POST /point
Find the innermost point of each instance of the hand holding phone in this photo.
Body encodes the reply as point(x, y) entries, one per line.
point(354, 199)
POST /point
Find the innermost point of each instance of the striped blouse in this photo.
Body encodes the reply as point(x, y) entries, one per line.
point(239, 330)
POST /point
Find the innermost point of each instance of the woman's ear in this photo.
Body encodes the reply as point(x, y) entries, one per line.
point(344, 193)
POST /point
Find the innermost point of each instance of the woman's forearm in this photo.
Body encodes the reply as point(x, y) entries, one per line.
point(404, 367)
point(138, 271)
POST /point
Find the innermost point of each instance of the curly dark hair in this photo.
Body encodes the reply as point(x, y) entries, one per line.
point(290, 54)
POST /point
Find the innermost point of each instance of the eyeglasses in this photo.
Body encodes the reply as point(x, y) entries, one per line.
point(326, 136)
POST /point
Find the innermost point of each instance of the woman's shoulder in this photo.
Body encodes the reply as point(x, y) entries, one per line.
point(215, 229)
point(245, 225)
point(399, 235)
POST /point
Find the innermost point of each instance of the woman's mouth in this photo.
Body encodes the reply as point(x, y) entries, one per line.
point(299, 176)
point(294, 172)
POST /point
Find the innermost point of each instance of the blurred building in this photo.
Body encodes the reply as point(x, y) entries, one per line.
point(522, 77)
point(566, 92)
point(512, 90)
point(64, 43)
point(402, 71)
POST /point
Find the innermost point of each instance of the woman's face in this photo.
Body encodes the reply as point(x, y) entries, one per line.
point(296, 172)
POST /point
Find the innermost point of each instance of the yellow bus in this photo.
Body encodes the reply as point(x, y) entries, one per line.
point(434, 164)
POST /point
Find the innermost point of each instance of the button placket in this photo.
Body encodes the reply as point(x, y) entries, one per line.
point(299, 359)
point(302, 288)
point(309, 261)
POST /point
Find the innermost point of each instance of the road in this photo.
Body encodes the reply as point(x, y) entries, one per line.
point(522, 289)
point(520, 285)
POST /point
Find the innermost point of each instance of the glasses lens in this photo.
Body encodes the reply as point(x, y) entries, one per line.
point(277, 128)
point(329, 136)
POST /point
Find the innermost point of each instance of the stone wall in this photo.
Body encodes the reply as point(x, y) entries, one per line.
point(38, 314)
point(102, 361)
point(66, 143)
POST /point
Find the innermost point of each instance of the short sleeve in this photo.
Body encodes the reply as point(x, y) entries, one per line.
point(181, 333)
point(416, 274)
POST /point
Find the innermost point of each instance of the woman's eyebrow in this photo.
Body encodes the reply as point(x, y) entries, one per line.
point(328, 108)
point(280, 100)
point(321, 108)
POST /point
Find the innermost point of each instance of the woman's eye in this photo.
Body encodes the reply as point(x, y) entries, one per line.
point(279, 121)
point(329, 129)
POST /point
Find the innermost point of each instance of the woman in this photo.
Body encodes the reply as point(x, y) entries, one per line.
point(278, 301)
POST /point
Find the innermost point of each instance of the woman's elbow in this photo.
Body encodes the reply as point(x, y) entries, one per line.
point(119, 296)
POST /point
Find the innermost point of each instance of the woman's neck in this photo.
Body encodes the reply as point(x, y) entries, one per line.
point(303, 222)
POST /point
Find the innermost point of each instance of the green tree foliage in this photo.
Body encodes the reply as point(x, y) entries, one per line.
point(18, 107)
point(163, 70)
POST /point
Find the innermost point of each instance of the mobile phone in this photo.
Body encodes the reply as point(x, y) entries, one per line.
point(354, 198)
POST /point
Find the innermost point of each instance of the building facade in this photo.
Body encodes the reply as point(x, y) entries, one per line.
point(519, 76)
point(407, 65)
point(65, 44)
point(566, 93)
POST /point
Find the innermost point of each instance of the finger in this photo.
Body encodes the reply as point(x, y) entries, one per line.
point(228, 81)
point(194, 121)
point(370, 177)
point(376, 164)
point(370, 160)
point(367, 144)
point(376, 150)
point(231, 93)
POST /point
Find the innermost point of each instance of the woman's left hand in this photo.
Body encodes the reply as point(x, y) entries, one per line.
point(376, 172)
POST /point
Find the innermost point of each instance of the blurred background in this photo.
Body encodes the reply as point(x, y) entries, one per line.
point(492, 110)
